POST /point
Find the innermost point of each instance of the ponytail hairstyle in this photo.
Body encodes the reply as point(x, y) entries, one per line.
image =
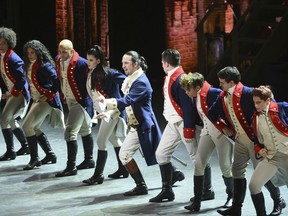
point(102, 70)
point(137, 59)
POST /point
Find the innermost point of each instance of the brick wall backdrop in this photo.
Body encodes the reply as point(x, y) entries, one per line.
point(181, 19)
point(104, 26)
point(73, 21)
point(76, 20)
point(61, 20)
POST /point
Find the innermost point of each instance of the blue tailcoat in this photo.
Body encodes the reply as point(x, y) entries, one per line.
point(47, 83)
point(77, 76)
point(182, 103)
point(278, 113)
point(140, 97)
point(113, 82)
point(13, 66)
point(243, 107)
point(112, 85)
point(208, 95)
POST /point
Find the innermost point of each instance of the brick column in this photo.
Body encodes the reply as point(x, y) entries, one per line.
point(180, 24)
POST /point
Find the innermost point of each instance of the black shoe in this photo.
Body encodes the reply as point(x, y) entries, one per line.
point(24, 150)
point(232, 211)
point(138, 190)
point(93, 180)
point(163, 195)
point(32, 164)
point(67, 172)
point(50, 158)
point(228, 202)
point(277, 209)
point(86, 164)
point(8, 156)
point(207, 195)
point(193, 207)
point(177, 176)
point(120, 173)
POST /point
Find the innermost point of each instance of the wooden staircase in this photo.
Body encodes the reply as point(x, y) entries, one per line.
point(259, 39)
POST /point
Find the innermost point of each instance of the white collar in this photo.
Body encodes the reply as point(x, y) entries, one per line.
point(130, 79)
point(135, 75)
point(169, 73)
point(231, 90)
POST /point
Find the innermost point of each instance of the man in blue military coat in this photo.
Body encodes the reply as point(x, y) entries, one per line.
point(144, 132)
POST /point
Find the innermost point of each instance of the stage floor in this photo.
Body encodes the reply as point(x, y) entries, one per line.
point(39, 193)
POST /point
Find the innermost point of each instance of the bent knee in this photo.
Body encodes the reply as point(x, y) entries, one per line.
point(254, 187)
point(28, 130)
point(199, 169)
point(162, 158)
point(125, 157)
point(69, 134)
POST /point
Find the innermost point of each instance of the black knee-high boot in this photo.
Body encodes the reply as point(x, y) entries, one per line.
point(208, 193)
point(98, 176)
point(34, 158)
point(198, 186)
point(177, 175)
point(141, 188)
point(229, 190)
point(88, 153)
point(121, 172)
point(18, 132)
point(45, 145)
point(259, 204)
point(10, 153)
point(71, 162)
point(238, 198)
point(166, 192)
point(279, 202)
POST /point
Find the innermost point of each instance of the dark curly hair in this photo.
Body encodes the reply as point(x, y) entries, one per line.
point(9, 35)
point(43, 54)
point(102, 70)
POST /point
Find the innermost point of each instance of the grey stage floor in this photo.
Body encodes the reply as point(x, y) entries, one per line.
point(39, 193)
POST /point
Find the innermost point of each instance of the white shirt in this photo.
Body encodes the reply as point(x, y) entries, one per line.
point(229, 103)
point(127, 83)
point(2, 62)
point(34, 92)
point(269, 135)
point(66, 89)
point(169, 111)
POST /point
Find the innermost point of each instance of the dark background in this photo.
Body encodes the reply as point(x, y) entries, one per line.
point(30, 19)
point(133, 25)
point(140, 26)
